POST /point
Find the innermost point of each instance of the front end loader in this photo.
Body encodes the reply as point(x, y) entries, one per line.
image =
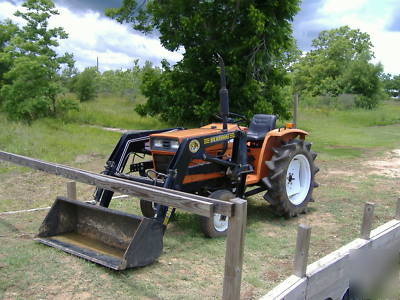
point(220, 160)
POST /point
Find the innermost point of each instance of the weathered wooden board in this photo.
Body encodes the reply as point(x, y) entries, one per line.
point(293, 288)
point(192, 203)
point(329, 277)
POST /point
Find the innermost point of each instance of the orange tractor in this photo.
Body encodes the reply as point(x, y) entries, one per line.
point(220, 160)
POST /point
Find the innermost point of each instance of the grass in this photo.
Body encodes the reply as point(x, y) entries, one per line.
point(109, 111)
point(347, 134)
point(191, 266)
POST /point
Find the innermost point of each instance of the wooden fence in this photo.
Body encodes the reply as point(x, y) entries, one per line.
point(364, 259)
point(236, 209)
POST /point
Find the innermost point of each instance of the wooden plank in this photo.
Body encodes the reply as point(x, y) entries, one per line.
point(366, 224)
point(302, 247)
point(331, 281)
point(71, 190)
point(330, 276)
point(188, 202)
point(293, 288)
point(234, 251)
point(387, 237)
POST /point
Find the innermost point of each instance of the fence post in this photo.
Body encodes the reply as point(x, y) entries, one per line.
point(398, 209)
point(302, 247)
point(295, 107)
point(234, 250)
point(367, 220)
point(71, 190)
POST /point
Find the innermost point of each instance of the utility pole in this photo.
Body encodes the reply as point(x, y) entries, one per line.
point(295, 108)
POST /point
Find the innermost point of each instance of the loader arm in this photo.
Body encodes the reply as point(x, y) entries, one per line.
point(130, 142)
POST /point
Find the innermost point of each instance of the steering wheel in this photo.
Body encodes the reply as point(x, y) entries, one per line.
point(234, 118)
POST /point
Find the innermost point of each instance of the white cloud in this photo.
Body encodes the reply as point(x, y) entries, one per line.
point(369, 16)
point(7, 10)
point(338, 6)
point(92, 35)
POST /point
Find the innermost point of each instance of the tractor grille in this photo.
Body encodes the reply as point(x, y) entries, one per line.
point(162, 162)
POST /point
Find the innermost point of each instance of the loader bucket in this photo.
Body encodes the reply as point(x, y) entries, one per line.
point(111, 238)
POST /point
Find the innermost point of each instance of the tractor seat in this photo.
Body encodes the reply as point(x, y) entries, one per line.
point(259, 126)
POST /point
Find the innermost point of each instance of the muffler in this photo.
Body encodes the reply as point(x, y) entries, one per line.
point(108, 237)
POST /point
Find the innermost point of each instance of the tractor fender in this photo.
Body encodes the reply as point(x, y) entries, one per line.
point(274, 139)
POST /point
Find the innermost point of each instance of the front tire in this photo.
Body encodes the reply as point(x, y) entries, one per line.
point(216, 226)
point(291, 178)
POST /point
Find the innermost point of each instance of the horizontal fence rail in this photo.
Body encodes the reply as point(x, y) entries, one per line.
point(188, 202)
point(363, 260)
point(236, 209)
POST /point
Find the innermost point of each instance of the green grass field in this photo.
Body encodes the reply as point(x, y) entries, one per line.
point(191, 266)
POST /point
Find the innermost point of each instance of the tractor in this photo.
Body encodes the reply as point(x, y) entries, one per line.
point(220, 160)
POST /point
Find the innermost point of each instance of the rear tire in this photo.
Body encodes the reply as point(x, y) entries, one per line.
point(147, 208)
point(291, 178)
point(216, 226)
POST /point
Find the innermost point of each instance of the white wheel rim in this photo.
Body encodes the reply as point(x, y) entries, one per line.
point(220, 222)
point(298, 179)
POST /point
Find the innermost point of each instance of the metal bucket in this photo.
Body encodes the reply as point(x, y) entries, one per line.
point(111, 238)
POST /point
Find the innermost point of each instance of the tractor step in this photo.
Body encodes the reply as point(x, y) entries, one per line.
point(111, 238)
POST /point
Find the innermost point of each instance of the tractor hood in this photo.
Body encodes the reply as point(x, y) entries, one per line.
point(210, 129)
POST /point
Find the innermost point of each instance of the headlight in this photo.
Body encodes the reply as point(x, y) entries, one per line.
point(158, 143)
point(164, 144)
point(174, 145)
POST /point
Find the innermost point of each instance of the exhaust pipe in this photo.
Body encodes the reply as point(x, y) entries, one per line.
point(111, 238)
point(223, 96)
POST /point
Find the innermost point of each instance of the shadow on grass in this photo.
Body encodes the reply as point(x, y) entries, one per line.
point(258, 211)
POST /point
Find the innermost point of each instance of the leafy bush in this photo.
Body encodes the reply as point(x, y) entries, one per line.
point(340, 64)
point(32, 81)
point(340, 102)
point(85, 84)
point(124, 83)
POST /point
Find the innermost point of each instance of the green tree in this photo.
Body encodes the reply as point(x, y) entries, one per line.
point(340, 63)
point(391, 84)
point(34, 83)
point(124, 83)
point(67, 77)
point(85, 84)
point(7, 31)
point(253, 37)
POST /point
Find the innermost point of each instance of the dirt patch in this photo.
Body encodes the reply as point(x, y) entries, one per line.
point(324, 220)
point(86, 158)
point(341, 172)
point(388, 166)
point(120, 130)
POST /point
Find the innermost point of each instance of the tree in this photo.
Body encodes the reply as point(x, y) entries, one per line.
point(340, 63)
point(7, 31)
point(391, 84)
point(253, 37)
point(67, 77)
point(125, 83)
point(85, 84)
point(34, 83)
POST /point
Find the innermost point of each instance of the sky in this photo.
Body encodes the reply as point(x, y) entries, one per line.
point(93, 35)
